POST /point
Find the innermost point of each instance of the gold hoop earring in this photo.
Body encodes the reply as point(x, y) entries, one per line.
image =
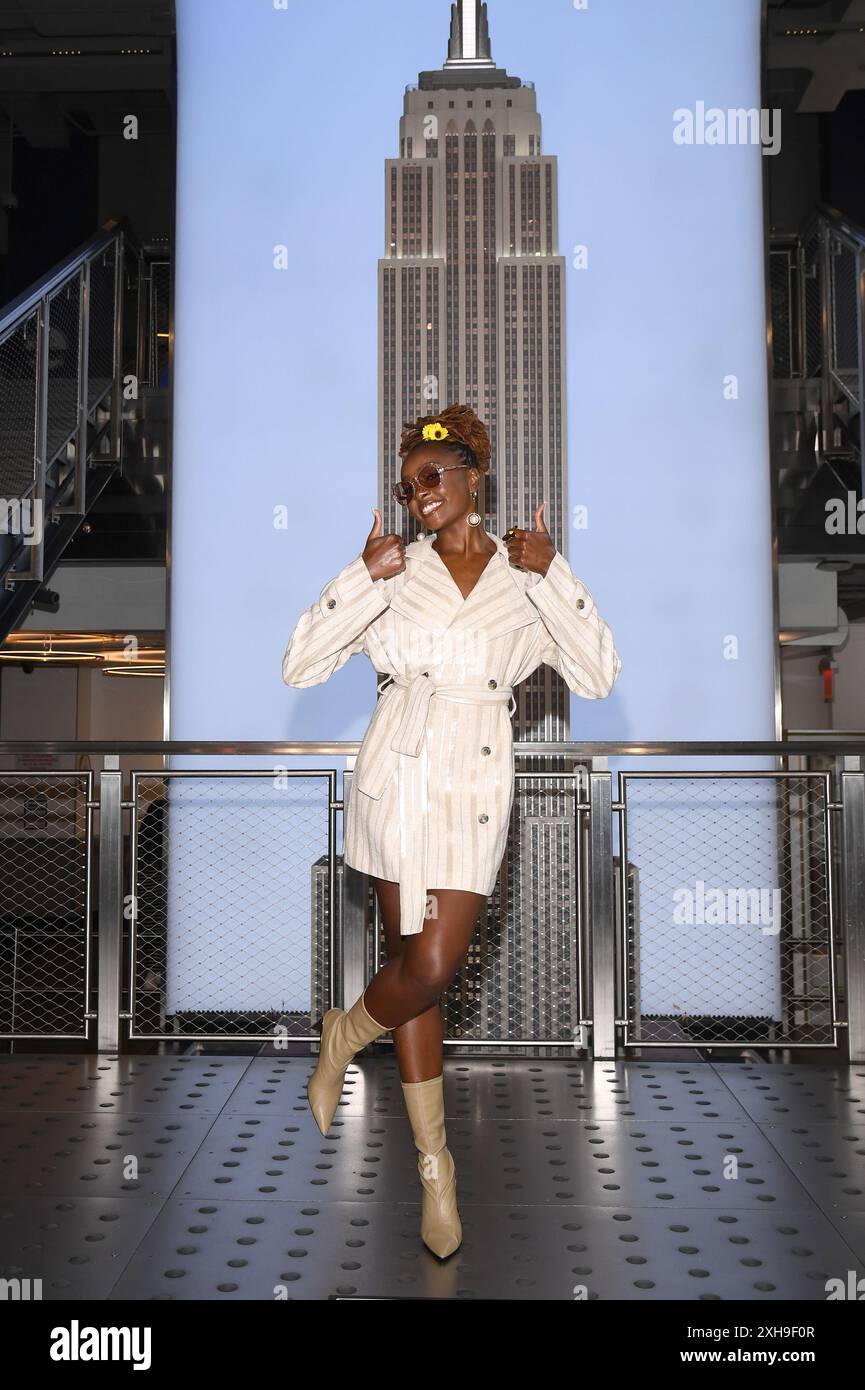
point(474, 517)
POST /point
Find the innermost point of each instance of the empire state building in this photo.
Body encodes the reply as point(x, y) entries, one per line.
point(471, 299)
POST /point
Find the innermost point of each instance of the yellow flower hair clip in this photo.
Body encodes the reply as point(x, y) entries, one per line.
point(435, 431)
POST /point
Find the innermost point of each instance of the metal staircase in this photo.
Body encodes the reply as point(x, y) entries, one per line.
point(818, 320)
point(61, 374)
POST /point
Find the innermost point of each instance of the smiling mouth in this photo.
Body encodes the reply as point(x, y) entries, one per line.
point(430, 507)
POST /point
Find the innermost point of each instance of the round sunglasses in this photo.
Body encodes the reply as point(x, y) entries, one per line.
point(430, 475)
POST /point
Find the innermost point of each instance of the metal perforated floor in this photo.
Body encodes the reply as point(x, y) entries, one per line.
point(206, 1178)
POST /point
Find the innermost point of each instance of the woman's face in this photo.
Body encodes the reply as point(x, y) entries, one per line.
point(447, 500)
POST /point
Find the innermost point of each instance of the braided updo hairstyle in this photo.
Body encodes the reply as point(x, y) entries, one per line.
point(466, 435)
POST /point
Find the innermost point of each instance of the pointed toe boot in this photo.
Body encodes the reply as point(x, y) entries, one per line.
point(441, 1229)
point(342, 1035)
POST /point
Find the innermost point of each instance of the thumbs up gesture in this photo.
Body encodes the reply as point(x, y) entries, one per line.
point(384, 555)
point(532, 550)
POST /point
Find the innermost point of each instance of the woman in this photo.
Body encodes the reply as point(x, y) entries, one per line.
point(456, 623)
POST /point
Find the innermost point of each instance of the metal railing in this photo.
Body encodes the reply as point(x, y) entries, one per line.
point(46, 855)
point(817, 280)
point(211, 904)
point(765, 972)
point(60, 359)
point(65, 345)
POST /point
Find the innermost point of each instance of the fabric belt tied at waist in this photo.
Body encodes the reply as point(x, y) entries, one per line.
point(410, 734)
point(412, 773)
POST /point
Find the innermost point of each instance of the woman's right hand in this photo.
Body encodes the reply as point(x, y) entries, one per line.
point(384, 556)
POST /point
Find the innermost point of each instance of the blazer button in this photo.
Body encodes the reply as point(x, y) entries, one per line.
point(581, 603)
point(492, 684)
point(331, 603)
point(483, 818)
point(485, 749)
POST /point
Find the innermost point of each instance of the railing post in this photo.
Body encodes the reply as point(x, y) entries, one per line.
point(352, 980)
point(602, 913)
point(117, 386)
point(80, 503)
point(860, 364)
point(110, 902)
point(37, 557)
point(801, 369)
point(827, 329)
point(854, 909)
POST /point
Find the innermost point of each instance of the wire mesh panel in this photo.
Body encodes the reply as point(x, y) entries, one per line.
point(64, 322)
point(327, 956)
point(844, 315)
point(45, 932)
point(232, 896)
point(521, 981)
point(812, 253)
point(101, 325)
point(784, 287)
point(730, 940)
point(18, 408)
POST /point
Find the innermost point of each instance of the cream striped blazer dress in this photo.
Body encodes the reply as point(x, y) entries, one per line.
point(433, 784)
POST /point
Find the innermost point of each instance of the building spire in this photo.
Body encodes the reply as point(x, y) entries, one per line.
point(469, 43)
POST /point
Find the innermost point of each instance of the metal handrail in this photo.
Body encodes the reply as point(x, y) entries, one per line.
point(62, 414)
point(824, 227)
point(839, 220)
point(606, 884)
point(853, 745)
point(52, 488)
point(64, 269)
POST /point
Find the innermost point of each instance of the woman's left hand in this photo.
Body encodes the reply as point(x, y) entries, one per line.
point(532, 550)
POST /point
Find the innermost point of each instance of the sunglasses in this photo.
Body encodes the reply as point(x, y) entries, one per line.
point(430, 475)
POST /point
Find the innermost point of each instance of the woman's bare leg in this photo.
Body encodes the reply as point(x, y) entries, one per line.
point(404, 994)
point(418, 1044)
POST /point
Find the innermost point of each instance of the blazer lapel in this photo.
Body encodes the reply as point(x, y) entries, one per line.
point(427, 595)
point(497, 604)
point(430, 597)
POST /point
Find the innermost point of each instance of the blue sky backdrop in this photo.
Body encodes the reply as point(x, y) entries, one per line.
point(276, 383)
point(285, 118)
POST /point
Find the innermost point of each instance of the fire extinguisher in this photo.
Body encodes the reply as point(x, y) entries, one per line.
point(828, 668)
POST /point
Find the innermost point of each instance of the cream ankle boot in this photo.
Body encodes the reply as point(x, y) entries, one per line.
point(441, 1229)
point(342, 1035)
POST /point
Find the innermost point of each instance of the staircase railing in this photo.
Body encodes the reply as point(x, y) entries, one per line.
point(818, 321)
point(69, 346)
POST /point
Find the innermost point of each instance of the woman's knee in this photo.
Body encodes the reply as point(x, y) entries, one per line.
point(426, 971)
